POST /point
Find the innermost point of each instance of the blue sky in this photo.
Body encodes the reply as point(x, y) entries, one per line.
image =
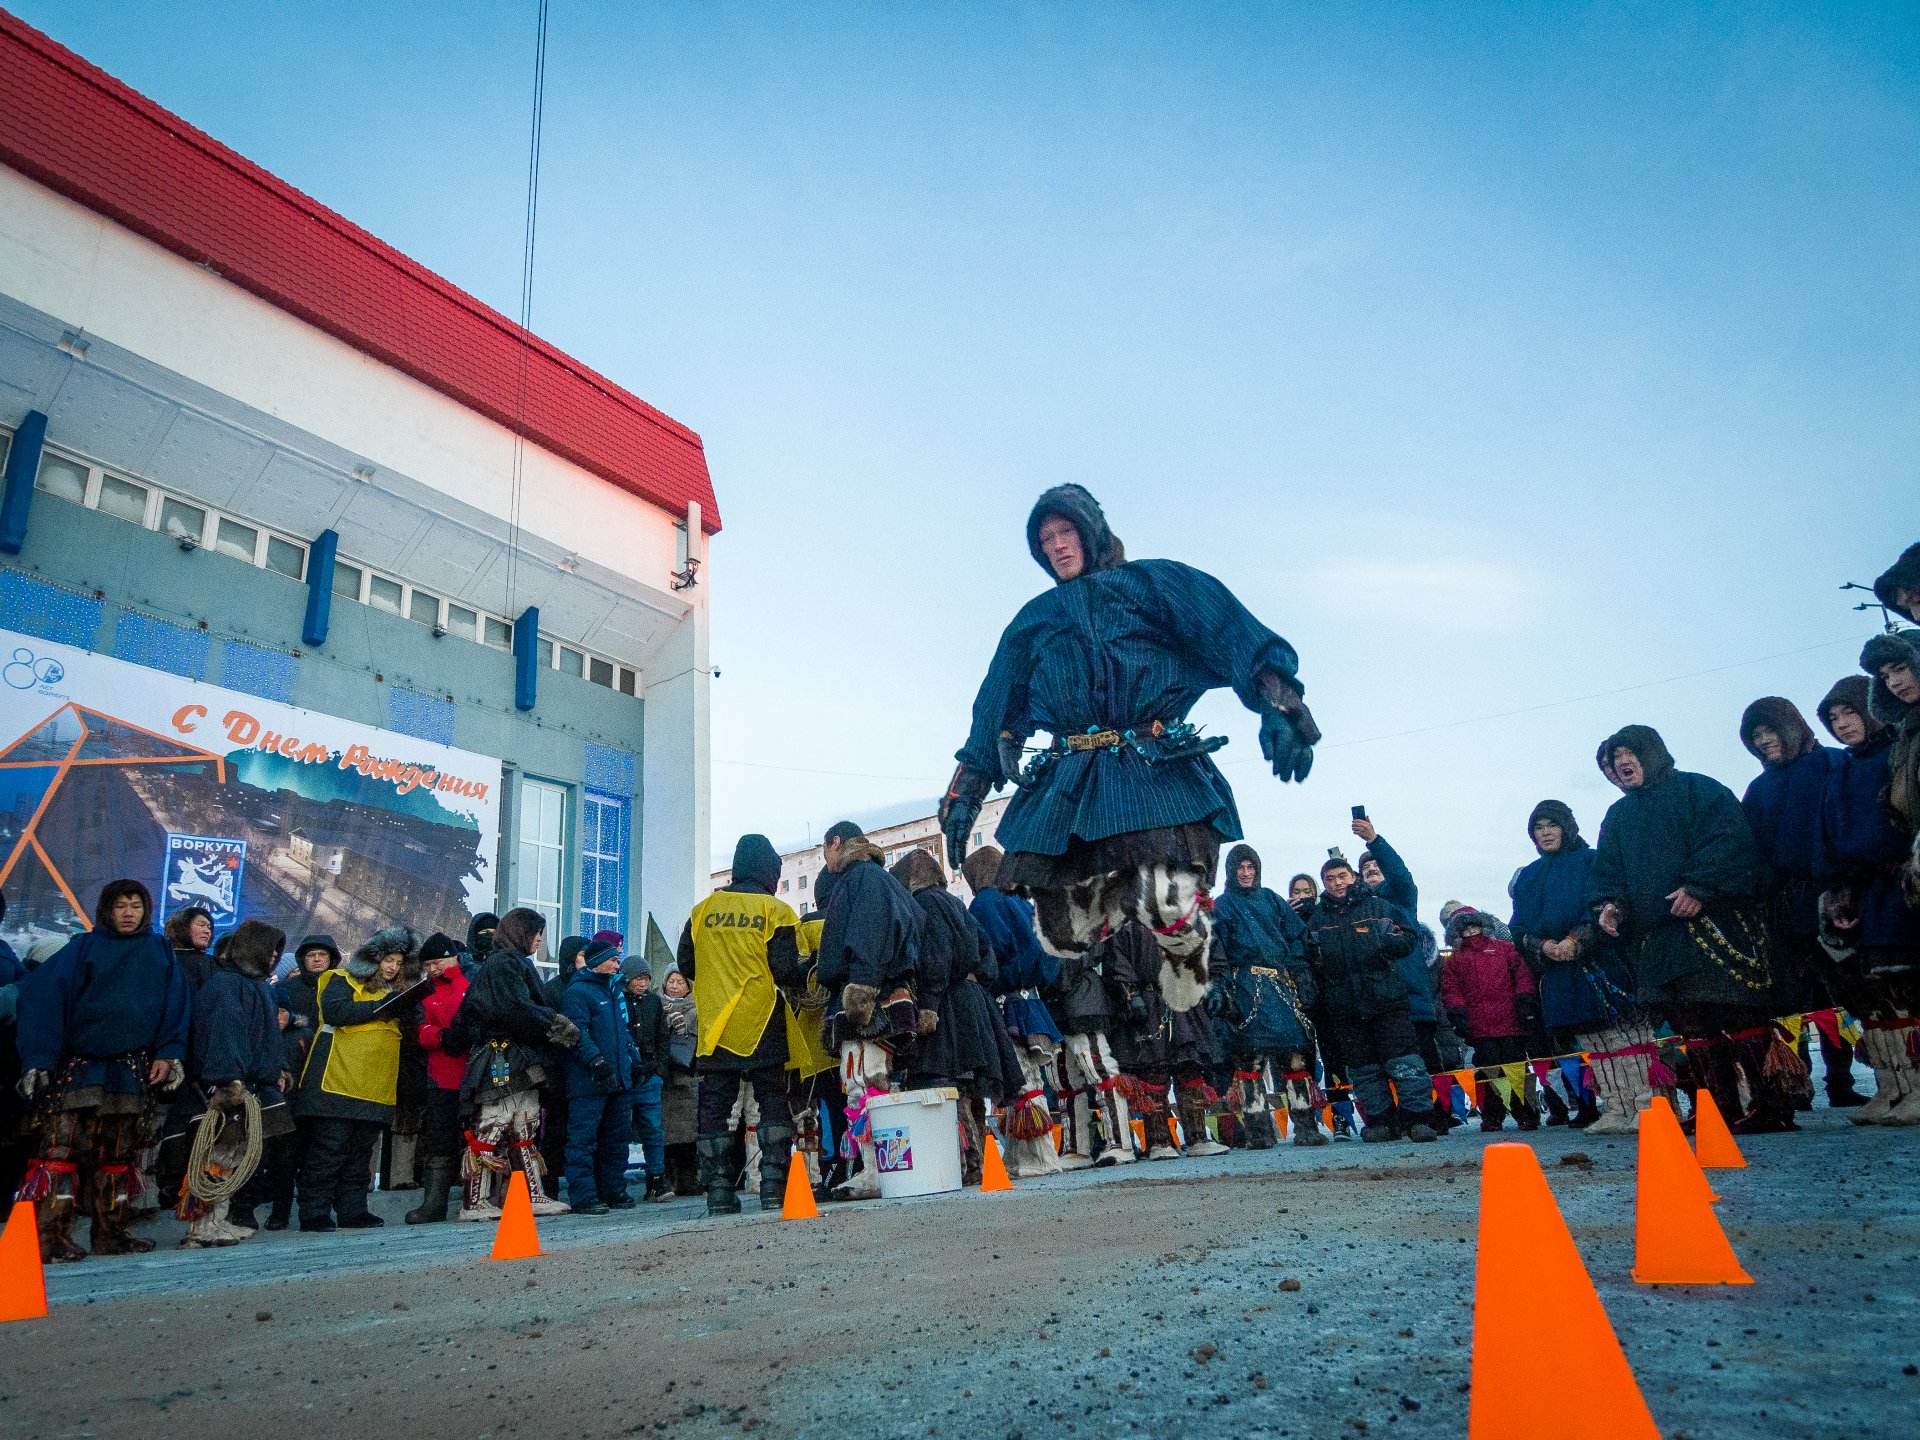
point(1498, 356)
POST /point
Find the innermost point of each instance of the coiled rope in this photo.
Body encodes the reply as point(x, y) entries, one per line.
point(209, 1181)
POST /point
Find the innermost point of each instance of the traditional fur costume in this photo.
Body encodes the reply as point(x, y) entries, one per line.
point(1122, 817)
point(93, 1021)
point(509, 1035)
point(1024, 972)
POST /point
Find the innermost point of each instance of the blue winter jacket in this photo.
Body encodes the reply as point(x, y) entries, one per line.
point(1117, 649)
point(1262, 982)
point(1398, 890)
point(1861, 847)
point(598, 1005)
point(102, 997)
point(1783, 805)
point(1550, 903)
point(1025, 969)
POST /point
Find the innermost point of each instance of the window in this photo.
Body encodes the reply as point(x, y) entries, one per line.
point(603, 862)
point(230, 537)
point(543, 652)
point(626, 681)
point(976, 839)
point(572, 662)
point(123, 499)
point(423, 609)
point(346, 580)
point(181, 521)
point(803, 882)
point(600, 672)
point(384, 594)
point(543, 842)
point(63, 478)
point(462, 621)
point(499, 634)
point(286, 557)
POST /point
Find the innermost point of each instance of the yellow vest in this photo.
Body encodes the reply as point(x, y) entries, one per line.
point(733, 987)
point(363, 1061)
point(805, 1053)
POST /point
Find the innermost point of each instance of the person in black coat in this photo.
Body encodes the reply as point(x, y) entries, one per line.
point(1354, 944)
point(234, 1051)
point(298, 999)
point(1264, 990)
point(1677, 877)
point(512, 1039)
point(600, 1072)
point(554, 1096)
point(963, 1042)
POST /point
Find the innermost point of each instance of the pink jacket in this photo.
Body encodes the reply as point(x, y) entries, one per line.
point(1486, 978)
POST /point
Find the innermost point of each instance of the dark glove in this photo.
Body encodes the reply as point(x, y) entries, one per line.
point(1528, 1007)
point(1458, 1019)
point(1287, 731)
point(563, 1032)
point(959, 808)
point(602, 1073)
point(1137, 1009)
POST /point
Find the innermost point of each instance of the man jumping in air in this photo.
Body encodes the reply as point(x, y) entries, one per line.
point(1123, 815)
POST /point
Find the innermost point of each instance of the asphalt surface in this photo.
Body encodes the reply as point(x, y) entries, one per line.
point(1298, 1293)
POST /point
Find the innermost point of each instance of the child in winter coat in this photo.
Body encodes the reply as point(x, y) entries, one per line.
point(1491, 999)
point(600, 1074)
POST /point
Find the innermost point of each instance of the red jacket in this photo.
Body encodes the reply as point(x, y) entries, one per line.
point(436, 1014)
point(1486, 977)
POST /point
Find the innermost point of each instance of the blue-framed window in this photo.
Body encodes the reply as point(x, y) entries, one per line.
point(605, 843)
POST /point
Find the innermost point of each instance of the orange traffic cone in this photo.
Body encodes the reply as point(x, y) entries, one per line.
point(1676, 1239)
point(993, 1170)
point(1528, 1268)
point(23, 1284)
point(1713, 1144)
point(798, 1202)
point(1139, 1133)
point(515, 1237)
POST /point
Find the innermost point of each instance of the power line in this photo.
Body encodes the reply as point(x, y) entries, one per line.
point(526, 299)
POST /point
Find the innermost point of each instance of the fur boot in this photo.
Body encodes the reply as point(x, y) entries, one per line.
point(1076, 1130)
point(528, 1156)
point(1886, 1085)
point(477, 1201)
point(1116, 1130)
point(1906, 1079)
point(1193, 1120)
point(972, 1147)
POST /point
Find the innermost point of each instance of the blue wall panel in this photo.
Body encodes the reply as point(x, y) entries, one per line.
point(270, 674)
point(161, 645)
point(425, 717)
point(50, 611)
point(609, 770)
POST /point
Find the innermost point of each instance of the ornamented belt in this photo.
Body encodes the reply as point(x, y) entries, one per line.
point(1153, 741)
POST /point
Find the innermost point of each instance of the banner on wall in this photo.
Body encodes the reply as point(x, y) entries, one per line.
point(248, 808)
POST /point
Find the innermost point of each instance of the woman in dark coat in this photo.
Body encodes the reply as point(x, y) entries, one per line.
point(965, 1044)
point(1123, 816)
point(102, 1033)
point(298, 997)
point(1678, 880)
point(680, 1096)
point(1586, 995)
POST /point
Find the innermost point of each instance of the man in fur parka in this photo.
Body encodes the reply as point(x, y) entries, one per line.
point(1122, 816)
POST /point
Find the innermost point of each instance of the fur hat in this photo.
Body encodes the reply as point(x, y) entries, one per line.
point(253, 948)
point(113, 890)
point(1643, 742)
point(917, 871)
point(1462, 916)
point(1073, 503)
point(1561, 814)
point(1783, 717)
point(1855, 692)
point(982, 868)
point(1900, 648)
point(178, 922)
point(1234, 857)
point(1903, 574)
point(364, 963)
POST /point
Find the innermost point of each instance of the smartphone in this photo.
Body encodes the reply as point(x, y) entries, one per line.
point(1333, 852)
point(1359, 812)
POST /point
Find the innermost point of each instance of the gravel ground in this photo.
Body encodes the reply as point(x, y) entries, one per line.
point(1282, 1293)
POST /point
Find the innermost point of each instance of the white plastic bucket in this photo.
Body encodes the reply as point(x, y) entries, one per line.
point(916, 1138)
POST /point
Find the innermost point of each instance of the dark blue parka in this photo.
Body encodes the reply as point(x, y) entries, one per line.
point(1118, 647)
point(598, 1005)
point(1783, 806)
point(1025, 969)
point(1262, 985)
point(100, 998)
point(1861, 847)
point(1354, 944)
point(1398, 890)
point(1550, 903)
point(236, 1033)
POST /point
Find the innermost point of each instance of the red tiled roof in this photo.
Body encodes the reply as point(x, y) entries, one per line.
point(77, 130)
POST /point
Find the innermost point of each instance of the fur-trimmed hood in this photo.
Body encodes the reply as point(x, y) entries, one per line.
point(253, 948)
point(1234, 857)
point(1855, 692)
point(857, 849)
point(1903, 574)
point(364, 963)
point(1646, 745)
point(1073, 503)
point(1903, 647)
point(1561, 814)
point(1783, 717)
point(917, 870)
point(982, 868)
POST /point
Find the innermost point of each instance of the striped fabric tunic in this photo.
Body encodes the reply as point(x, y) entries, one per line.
point(1118, 649)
